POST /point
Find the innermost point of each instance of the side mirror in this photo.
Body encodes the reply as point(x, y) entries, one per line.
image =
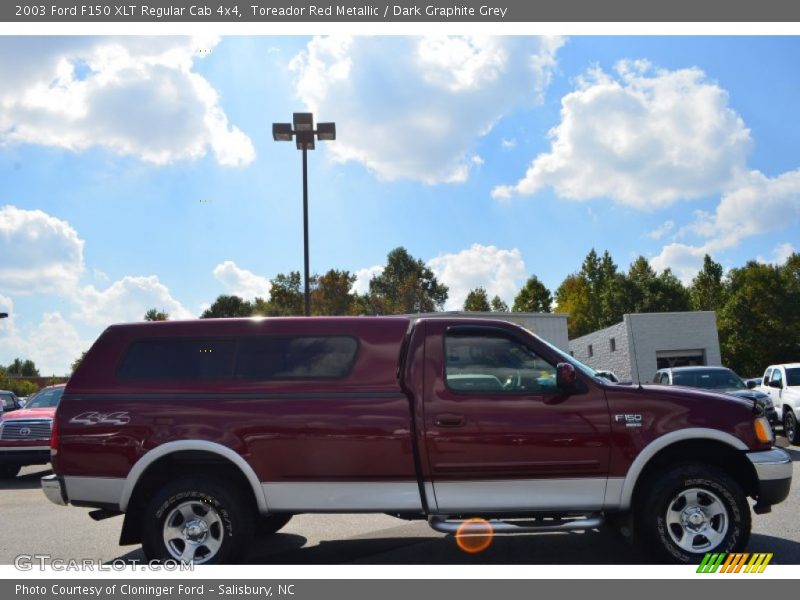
point(565, 377)
point(775, 384)
point(750, 385)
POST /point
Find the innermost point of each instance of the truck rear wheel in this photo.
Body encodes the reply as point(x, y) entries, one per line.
point(197, 521)
point(9, 471)
point(692, 510)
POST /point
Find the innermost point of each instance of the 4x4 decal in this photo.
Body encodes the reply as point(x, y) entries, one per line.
point(96, 418)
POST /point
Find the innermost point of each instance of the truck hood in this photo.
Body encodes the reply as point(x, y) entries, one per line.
point(30, 413)
point(676, 391)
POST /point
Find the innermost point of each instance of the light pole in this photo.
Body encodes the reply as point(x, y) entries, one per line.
point(302, 128)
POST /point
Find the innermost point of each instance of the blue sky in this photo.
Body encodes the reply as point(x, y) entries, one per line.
point(141, 172)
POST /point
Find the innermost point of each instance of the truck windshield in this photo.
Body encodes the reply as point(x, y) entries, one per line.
point(585, 369)
point(47, 398)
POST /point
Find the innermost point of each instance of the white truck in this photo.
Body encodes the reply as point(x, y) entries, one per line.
point(782, 384)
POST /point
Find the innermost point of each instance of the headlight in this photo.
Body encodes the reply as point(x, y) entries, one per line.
point(763, 431)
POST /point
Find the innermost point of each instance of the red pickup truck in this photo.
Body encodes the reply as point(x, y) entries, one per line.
point(203, 431)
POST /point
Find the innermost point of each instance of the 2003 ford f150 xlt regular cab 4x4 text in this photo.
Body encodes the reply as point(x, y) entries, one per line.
point(202, 431)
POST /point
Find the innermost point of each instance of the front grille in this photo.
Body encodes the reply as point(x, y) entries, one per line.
point(20, 430)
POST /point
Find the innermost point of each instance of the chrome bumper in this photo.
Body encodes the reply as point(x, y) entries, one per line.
point(774, 471)
point(53, 488)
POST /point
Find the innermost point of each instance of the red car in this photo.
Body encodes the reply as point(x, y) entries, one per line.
point(202, 431)
point(25, 433)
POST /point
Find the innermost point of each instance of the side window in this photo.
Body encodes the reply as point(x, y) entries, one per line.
point(7, 402)
point(767, 375)
point(664, 379)
point(492, 362)
point(304, 357)
point(777, 376)
point(178, 359)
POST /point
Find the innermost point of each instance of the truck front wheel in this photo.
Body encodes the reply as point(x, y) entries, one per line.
point(790, 429)
point(692, 510)
point(197, 521)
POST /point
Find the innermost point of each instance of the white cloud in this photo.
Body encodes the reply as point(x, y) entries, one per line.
point(779, 254)
point(508, 144)
point(759, 205)
point(127, 300)
point(643, 137)
point(498, 271)
point(131, 95)
point(241, 282)
point(38, 252)
point(661, 230)
point(363, 277)
point(412, 108)
point(52, 344)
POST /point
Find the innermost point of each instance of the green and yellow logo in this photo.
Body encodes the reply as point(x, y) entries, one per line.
point(735, 563)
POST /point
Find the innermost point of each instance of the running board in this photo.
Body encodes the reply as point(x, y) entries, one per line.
point(444, 525)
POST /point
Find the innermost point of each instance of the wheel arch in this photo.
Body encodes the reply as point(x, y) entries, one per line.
point(154, 457)
point(701, 445)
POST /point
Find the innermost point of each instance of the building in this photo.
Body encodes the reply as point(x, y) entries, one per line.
point(551, 327)
point(643, 343)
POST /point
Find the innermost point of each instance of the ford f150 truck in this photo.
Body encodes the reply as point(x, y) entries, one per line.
point(201, 432)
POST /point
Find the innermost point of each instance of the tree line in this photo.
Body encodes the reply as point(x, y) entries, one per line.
point(757, 305)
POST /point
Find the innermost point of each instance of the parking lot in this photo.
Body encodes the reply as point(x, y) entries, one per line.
point(32, 525)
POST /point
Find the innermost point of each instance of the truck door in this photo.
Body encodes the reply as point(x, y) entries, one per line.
point(499, 435)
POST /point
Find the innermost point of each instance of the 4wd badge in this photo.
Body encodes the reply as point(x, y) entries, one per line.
point(96, 418)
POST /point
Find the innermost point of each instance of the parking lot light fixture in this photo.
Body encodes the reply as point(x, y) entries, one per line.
point(302, 129)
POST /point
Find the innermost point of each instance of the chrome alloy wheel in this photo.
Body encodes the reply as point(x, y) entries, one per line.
point(193, 532)
point(697, 520)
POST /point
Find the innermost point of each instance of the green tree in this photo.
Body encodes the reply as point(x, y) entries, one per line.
point(533, 297)
point(707, 291)
point(227, 307)
point(22, 368)
point(286, 296)
point(77, 362)
point(406, 286)
point(759, 322)
point(477, 300)
point(498, 305)
point(156, 315)
point(332, 294)
point(650, 292)
point(573, 297)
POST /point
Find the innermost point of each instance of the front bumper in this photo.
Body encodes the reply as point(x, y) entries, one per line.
point(774, 471)
point(53, 487)
point(25, 455)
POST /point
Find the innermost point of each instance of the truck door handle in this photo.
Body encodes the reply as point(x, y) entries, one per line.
point(448, 420)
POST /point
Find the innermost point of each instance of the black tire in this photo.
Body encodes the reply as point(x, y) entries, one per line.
point(710, 508)
point(790, 429)
point(9, 471)
point(270, 524)
point(220, 518)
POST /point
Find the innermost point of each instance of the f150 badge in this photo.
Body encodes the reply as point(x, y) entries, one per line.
point(96, 418)
point(630, 420)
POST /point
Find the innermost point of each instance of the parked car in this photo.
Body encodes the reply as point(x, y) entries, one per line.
point(608, 375)
point(200, 430)
point(782, 384)
point(720, 379)
point(752, 382)
point(9, 402)
point(25, 433)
